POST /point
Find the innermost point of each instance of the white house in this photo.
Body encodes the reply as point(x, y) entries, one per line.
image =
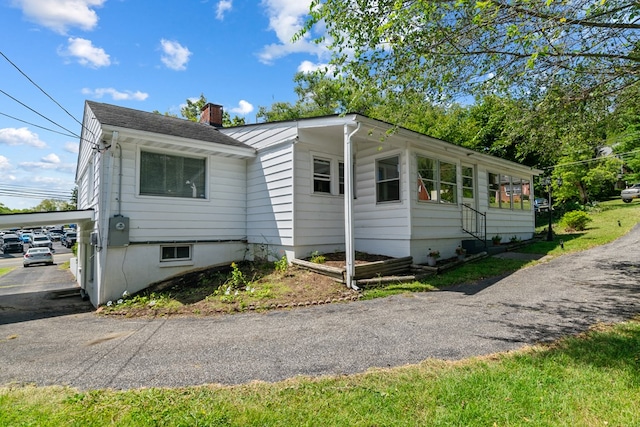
point(170, 195)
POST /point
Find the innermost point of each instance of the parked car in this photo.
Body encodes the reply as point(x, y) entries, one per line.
point(12, 243)
point(68, 239)
point(540, 204)
point(628, 194)
point(40, 241)
point(37, 256)
point(26, 237)
point(54, 235)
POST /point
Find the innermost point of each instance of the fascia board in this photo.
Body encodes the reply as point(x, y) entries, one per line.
point(211, 147)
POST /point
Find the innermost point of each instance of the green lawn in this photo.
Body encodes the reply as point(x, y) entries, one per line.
point(589, 380)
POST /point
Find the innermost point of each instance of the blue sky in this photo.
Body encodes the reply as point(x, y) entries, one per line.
point(145, 55)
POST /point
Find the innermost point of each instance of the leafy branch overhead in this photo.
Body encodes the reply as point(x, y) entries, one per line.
point(457, 47)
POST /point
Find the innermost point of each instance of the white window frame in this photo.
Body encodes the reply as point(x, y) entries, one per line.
point(436, 181)
point(508, 182)
point(336, 181)
point(204, 192)
point(385, 181)
point(175, 248)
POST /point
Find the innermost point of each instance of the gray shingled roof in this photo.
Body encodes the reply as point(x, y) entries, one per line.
point(128, 118)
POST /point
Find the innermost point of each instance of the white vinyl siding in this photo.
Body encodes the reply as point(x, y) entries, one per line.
point(220, 216)
point(270, 197)
point(319, 217)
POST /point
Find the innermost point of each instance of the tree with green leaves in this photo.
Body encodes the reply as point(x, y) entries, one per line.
point(454, 47)
point(52, 205)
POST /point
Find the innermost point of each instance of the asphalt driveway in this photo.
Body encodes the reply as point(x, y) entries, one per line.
point(556, 298)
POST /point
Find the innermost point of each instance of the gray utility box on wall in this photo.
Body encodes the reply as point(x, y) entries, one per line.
point(119, 231)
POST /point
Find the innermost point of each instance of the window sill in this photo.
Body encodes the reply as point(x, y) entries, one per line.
point(179, 263)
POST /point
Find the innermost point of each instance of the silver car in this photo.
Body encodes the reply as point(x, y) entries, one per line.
point(40, 241)
point(628, 194)
point(37, 256)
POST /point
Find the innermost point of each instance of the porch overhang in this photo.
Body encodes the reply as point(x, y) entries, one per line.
point(45, 218)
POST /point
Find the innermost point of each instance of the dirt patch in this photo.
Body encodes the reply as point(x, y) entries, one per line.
point(338, 259)
point(247, 286)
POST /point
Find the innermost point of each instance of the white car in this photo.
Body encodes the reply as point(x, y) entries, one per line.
point(628, 194)
point(37, 256)
point(40, 241)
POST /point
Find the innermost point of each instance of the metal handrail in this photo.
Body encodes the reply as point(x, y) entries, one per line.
point(475, 224)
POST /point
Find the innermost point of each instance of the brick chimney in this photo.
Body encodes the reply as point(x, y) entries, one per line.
point(212, 115)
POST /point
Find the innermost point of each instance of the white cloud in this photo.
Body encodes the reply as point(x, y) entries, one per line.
point(175, 56)
point(20, 136)
point(51, 158)
point(223, 7)
point(116, 95)
point(46, 165)
point(243, 108)
point(309, 67)
point(59, 15)
point(286, 18)
point(5, 164)
point(85, 53)
point(72, 147)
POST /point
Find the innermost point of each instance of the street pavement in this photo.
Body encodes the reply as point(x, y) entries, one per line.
point(555, 298)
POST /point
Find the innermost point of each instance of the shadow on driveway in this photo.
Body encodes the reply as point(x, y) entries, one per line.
point(23, 307)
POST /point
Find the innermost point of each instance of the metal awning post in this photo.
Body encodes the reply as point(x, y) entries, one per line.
point(349, 241)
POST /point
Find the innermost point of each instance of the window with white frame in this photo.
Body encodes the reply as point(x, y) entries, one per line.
point(328, 175)
point(388, 179)
point(321, 175)
point(437, 180)
point(467, 182)
point(172, 176)
point(175, 253)
point(509, 192)
point(494, 189)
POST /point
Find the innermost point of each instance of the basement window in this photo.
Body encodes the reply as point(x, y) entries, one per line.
point(175, 253)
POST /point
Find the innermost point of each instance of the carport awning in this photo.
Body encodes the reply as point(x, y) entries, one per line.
point(45, 218)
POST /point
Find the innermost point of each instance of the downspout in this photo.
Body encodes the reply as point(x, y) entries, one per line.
point(349, 241)
point(119, 147)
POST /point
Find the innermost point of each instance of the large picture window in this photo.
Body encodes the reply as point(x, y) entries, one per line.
point(437, 181)
point(509, 192)
point(388, 179)
point(172, 176)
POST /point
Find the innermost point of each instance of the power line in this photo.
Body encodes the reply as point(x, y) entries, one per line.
point(33, 192)
point(618, 156)
point(36, 85)
point(48, 96)
point(40, 114)
point(38, 126)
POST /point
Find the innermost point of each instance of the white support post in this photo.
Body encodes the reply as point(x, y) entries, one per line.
point(349, 241)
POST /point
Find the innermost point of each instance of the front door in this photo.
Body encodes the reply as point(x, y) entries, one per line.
point(469, 217)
